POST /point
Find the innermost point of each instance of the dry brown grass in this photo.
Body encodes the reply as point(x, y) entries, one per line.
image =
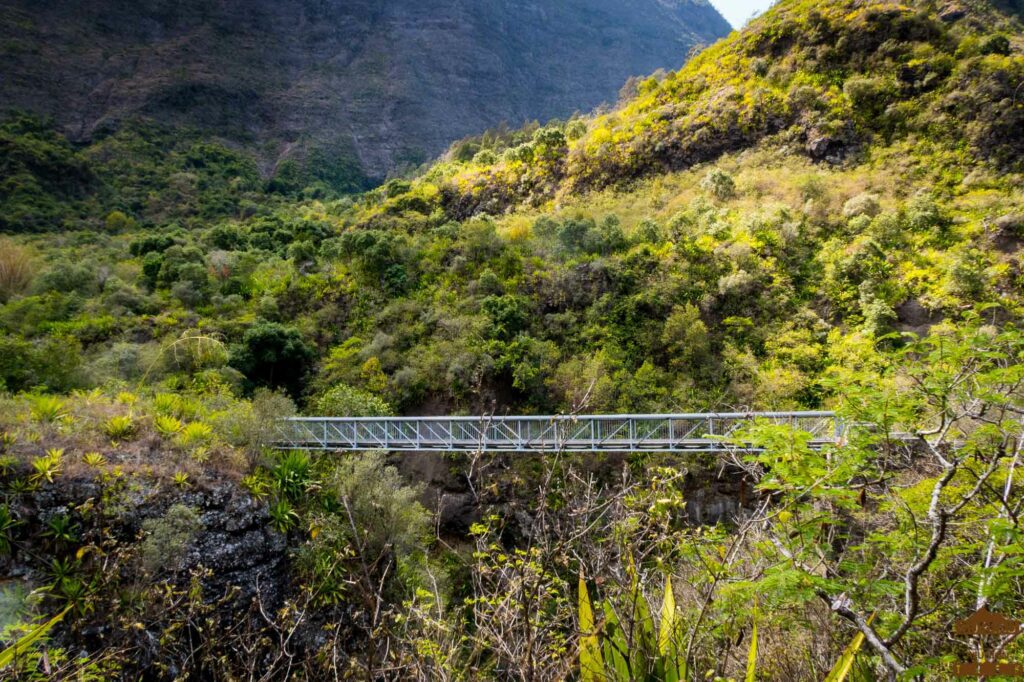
point(81, 431)
point(16, 269)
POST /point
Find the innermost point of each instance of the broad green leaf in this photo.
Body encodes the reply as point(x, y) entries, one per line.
point(8, 655)
point(642, 642)
point(591, 663)
point(666, 632)
point(752, 656)
point(844, 665)
point(615, 647)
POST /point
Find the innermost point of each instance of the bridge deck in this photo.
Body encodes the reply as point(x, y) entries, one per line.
point(700, 432)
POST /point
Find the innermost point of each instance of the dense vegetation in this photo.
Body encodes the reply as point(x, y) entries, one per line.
point(824, 210)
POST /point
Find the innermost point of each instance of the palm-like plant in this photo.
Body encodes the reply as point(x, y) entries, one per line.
point(47, 409)
point(48, 467)
point(119, 428)
point(166, 425)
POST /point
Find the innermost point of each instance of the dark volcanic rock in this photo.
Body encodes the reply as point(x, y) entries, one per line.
point(914, 317)
point(235, 540)
point(386, 81)
point(1008, 235)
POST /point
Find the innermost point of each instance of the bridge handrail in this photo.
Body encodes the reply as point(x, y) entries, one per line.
point(572, 417)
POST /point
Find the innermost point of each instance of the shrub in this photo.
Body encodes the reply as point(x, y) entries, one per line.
point(116, 221)
point(864, 204)
point(273, 356)
point(66, 276)
point(253, 425)
point(16, 270)
point(574, 130)
point(685, 337)
point(168, 538)
point(996, 44)
point(195, 350)
point(522, 153)
point(343, 400)
point(381, 518)
point(485, 157)
point(967, 275)
point(52, 363)
point(868, 95)
point(719, 184)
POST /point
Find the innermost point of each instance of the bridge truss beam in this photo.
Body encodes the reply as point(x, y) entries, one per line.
point(699, 432)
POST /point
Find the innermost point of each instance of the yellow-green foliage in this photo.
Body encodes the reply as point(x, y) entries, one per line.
point(47, 467)
point(120, 427)
point(166, 425)
point(194, 435)
point(47, 408)
point(94, 459)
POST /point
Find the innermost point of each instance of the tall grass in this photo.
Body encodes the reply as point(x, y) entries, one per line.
point(16, 269)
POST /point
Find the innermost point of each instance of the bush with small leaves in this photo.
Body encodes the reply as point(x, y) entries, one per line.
point(485, 157)
point(719, 184)
point(996, 44)
point(865, 204)
point(168, 538)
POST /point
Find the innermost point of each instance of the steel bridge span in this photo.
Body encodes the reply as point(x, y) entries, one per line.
point(698, 432)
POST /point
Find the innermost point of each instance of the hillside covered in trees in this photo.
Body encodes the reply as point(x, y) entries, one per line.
point(822, 211)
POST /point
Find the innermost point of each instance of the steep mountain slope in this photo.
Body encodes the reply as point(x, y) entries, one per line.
point(832, 81)
point(384, 83)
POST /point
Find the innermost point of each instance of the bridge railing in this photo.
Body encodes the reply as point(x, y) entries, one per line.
point(697, 432)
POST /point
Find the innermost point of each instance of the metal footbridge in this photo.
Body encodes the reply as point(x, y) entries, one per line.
point(699, 432)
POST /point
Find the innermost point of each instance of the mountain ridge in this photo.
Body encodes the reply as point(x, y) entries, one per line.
point(385, 84)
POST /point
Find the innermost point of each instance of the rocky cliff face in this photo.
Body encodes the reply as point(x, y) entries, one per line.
point(383, 81)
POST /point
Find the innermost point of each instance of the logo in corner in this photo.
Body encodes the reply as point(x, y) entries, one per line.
point(984, 623)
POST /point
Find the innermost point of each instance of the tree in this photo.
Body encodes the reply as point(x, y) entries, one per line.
point(685, 337)
point(936, 470)
point(274, 356)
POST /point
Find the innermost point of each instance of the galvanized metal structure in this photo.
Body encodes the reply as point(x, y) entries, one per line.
point(699, 432)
